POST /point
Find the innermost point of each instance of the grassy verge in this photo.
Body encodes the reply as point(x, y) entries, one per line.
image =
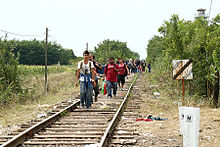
point(60, 88)
point(160, 94)
point(166, 106)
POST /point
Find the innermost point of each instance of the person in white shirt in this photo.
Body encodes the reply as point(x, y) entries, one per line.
point(85, 76)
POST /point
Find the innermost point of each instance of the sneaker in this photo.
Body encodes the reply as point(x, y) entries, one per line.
point(122, 89)
point(81, 106)
point(109, 97)
point(114, 96)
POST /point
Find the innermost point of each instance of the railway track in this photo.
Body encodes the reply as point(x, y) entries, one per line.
point(126, 133)
point(69, 125)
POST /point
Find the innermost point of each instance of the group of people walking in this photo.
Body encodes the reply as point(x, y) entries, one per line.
point(138, 66)
point(114, 75)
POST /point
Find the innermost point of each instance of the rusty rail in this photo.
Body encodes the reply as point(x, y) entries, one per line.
point(113, 123)
point(18, 139)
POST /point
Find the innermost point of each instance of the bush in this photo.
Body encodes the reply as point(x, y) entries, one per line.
point(9, 74)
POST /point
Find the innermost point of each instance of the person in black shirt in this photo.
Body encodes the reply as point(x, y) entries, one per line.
point(97, 67)
point(96, 64)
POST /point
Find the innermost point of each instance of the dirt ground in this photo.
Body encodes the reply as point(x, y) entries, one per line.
point(167, 132)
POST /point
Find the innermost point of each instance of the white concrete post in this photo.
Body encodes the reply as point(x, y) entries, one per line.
point(191, 127)
point(181, 119)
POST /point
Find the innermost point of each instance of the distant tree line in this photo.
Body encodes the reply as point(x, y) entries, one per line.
point(111, 48)
point(33, 52)
point(198, 40)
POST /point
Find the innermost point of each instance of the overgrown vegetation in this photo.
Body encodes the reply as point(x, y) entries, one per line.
point(16, 80)
point(195, 40)
point(20, 83)
point(9, 74)
point(112, 48)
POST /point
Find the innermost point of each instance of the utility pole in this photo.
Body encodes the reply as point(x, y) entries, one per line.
point(46, 45)
point(87, 46)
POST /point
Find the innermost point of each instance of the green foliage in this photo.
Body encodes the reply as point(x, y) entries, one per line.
point(33, 52)
point(111, 48)
point(76, 60)
point(154, 48)
point(9, 74)
point(184, 40)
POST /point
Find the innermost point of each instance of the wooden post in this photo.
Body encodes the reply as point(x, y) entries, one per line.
point(207, 87)
point(216, 89)
point(183, 86)
point(46, 84)
point(87, 46)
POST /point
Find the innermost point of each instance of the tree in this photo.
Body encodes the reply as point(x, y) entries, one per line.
point(9, 74)
point(111, 48)
point(154, 48)
point(66, 55)
point(33, 52)
point(196, 40)
point(213, 47)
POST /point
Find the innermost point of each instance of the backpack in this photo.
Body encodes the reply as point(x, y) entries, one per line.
point(106, 67)
point(81, 64)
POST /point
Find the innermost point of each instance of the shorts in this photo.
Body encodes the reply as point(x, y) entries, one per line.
point(121, 78)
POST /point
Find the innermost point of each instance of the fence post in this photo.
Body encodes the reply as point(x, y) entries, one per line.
point(46, 45)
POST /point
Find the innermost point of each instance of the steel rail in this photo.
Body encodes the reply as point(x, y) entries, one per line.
point(18, 139)
point(113, 123)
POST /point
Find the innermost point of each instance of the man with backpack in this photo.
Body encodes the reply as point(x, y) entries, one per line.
point(111, 70)
point(85, 76)
point(123, 71)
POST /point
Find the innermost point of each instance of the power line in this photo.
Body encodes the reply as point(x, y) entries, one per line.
point(7, 32)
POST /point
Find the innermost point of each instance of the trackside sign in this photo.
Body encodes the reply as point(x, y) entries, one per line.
point(182, 69)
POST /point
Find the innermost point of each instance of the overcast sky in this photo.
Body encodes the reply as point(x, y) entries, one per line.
point(73, 23)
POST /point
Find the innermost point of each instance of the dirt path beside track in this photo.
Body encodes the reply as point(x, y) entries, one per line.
point(166, 132)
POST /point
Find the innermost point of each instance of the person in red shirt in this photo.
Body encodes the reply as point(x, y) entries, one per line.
point(121, 73)
point(111, 71)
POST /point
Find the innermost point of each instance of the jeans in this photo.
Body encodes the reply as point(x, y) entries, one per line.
point(91, 98)
point(85, 94)
point(109, 88)
point(96, 89)
point(149, 69)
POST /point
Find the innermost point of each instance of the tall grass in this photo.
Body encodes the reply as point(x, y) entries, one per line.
point(25, 107)
point(161, 76)
point(30, 70)
point(32, 81)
